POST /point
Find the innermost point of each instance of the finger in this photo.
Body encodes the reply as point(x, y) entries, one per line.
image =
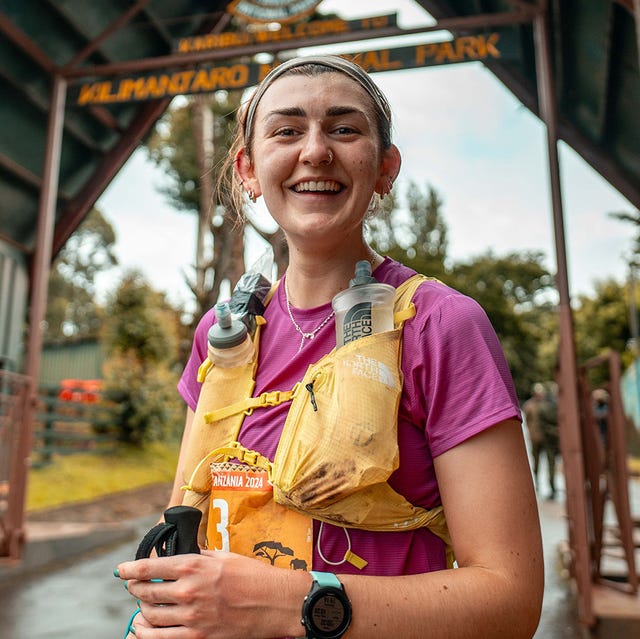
point(153, 592)
point(162, 616)
point(159, 568)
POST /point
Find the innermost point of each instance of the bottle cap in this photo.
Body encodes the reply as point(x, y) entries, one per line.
point(363, 274)
point(227, 332)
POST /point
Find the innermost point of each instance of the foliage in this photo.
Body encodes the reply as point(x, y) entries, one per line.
point(172, 146)
point(417, 236)
point(601, 323)
point(190, 144)
point(513, 290)
point(150, 408)
point(71, 309)
point(141, 336)
point(139, 320)
point(83, 477)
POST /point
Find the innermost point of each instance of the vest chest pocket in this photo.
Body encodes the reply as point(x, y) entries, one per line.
point(340, 435)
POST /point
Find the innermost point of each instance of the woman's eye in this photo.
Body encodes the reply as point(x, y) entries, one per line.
point(285, 132)
point(345, 130)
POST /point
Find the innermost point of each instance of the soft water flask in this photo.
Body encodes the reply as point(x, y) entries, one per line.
point(229, 341)
point(366, 307)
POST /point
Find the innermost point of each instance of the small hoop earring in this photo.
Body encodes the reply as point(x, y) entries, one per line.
point(252, 195)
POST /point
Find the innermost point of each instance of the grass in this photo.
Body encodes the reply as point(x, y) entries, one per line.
point(82, 477)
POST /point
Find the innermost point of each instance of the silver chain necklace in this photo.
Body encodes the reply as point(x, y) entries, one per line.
point(313, 333)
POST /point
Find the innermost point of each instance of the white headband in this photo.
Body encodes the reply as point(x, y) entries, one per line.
point(335, 62)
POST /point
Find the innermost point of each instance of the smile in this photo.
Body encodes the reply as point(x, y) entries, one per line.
point(320, 185)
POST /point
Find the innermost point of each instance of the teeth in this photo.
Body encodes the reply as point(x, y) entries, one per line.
point(321, 185)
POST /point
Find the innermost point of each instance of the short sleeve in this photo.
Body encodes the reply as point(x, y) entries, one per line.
point(188, 385)
point(466, 382)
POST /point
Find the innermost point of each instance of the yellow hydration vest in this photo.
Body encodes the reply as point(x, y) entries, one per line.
point(339, 442)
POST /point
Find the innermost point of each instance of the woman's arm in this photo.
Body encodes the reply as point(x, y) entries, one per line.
point(491, 510)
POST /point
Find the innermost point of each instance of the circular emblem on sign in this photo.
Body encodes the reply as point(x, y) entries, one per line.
point(262, 11)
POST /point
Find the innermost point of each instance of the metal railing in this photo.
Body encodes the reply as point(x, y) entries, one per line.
point(604, 452)
point(14, 390)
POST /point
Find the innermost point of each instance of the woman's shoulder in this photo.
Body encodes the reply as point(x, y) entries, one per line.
point(431, 294)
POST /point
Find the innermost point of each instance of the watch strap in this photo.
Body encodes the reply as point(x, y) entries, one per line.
point(326, 579)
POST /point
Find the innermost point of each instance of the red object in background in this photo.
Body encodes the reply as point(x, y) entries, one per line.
point(80, 390)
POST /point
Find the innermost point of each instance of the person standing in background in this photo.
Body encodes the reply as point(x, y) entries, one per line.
point(530, 409)
point(601, 413)
point(548, 421)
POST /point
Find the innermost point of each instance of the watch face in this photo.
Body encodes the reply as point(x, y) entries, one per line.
point(327, 613)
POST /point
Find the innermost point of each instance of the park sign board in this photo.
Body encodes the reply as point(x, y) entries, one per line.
point(298, 31)
point(237, 75)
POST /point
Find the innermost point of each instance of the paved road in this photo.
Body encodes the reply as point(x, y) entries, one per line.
point(83, 600)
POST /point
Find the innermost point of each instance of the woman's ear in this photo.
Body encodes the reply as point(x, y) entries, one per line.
point(244, 170)
point(389, 169)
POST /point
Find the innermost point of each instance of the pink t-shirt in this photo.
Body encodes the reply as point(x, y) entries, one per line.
point(456, 384)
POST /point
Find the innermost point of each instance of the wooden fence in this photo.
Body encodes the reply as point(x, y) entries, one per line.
point(72, 419)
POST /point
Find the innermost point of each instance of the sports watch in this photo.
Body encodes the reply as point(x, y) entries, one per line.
point(326, 611)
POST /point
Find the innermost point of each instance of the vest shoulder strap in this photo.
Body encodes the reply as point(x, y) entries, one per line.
point(403, 306)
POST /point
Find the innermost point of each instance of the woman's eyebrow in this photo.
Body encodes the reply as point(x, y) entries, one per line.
point(289, 111)
point(343, 110)
point(300, 112)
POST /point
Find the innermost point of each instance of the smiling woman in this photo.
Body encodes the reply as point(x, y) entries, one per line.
point(325, 160)
point(383, 435)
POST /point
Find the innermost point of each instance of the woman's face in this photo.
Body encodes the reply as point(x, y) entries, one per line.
point(316, 156)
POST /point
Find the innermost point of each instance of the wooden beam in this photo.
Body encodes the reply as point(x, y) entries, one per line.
point(123, 19)
point(20, 173)
point(25, 43)
point(569, 412)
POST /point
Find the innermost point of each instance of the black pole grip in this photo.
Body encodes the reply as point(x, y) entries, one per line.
point(186, 519)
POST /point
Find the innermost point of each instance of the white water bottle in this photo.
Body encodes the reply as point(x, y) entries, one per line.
point(366, 307)
point(229, 341)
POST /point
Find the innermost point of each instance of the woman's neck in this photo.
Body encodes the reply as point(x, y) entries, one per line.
point(313, 282)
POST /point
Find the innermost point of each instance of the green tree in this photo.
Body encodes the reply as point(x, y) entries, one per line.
point(416, 235)
point(514, 290)
point(601, 322)
point(72, 311)
point(140, 335)
point(191, 143)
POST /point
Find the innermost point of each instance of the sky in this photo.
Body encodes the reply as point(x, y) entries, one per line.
point(459, 130)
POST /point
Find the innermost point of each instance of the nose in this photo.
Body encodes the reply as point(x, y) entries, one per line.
point(316, 150)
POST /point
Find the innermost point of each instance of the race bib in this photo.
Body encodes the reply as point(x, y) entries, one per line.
point(244, 518)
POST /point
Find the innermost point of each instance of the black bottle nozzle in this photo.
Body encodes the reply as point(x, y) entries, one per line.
point(363, 274)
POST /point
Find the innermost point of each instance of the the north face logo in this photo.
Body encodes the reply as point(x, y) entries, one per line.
point(371, 368)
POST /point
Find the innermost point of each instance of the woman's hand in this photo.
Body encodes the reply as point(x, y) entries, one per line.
point(215, 594)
